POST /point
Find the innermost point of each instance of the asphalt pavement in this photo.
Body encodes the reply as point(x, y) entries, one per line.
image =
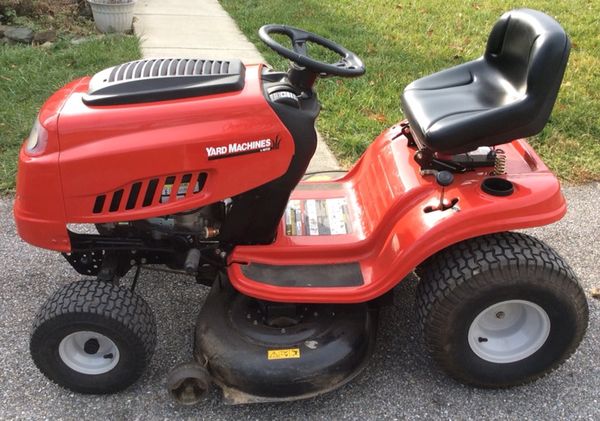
point(400, 381)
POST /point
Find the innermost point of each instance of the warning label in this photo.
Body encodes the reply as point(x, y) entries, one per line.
point(282, 354)
point(317, 217)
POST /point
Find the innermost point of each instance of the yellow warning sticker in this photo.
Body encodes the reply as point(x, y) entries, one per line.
point(282, 354)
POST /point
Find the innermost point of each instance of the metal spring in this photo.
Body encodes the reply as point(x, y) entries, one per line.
point(500, 163)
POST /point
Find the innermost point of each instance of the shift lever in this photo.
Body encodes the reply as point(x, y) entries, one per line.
point(443, 178)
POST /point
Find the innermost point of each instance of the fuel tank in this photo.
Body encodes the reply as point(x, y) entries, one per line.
point(146, 156)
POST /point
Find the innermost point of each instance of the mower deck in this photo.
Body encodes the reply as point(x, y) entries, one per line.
point(280, 352)
point(320, 256)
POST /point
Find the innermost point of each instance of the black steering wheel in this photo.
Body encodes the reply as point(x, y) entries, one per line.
point(349, 65)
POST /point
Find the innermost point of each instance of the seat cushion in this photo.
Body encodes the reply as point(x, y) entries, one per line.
point(506, 94)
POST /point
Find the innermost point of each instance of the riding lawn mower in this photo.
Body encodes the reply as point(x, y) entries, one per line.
point(198, 166)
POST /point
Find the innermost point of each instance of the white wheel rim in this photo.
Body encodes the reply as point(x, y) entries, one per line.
point(88, 352)
point(509, 331)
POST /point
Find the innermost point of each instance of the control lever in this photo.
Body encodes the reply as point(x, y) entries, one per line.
point(444, 179)
point(192, 261)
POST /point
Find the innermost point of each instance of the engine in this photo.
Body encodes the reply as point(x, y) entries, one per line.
point(201, 224)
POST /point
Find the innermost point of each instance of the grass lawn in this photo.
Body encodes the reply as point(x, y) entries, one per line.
point(28, 76)
point(403, 40)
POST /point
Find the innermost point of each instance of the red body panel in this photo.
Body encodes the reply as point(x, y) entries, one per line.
point(100, 150)
point(39, 210)
point(106, 150)
point(391, 231)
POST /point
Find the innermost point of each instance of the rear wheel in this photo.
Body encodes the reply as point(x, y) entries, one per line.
point(93, 337)
point(500, 310)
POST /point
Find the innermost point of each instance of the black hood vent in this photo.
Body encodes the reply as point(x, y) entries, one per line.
point(164, 79)
point(161, 67)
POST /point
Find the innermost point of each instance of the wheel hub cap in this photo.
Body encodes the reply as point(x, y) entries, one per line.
point(509, 331)
point(88, 352)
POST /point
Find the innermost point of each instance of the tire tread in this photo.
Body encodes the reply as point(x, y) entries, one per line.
point(113, 304)
point(103, 299)
point(451, 276)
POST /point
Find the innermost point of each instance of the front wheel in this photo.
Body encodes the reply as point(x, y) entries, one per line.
point(500, 310)
point(93, 337)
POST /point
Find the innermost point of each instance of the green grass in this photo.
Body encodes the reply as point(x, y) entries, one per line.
point(403, 40)
point(28, 76)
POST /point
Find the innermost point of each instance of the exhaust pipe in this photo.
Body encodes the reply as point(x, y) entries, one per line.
point(188, 383)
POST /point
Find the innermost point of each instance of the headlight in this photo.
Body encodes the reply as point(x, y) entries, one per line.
point(37, 140)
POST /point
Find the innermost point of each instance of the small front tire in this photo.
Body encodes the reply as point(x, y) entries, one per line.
point(93, 337)
point(500, 310)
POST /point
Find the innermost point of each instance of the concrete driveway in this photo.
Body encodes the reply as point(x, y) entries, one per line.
point(400, 381)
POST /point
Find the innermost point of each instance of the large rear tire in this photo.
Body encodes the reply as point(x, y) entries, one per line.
point(500, 310)
point(93, 337)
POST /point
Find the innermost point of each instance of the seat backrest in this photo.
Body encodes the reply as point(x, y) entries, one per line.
point(531, 50)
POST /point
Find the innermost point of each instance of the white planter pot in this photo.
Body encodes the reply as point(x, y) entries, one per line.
point(112, 17)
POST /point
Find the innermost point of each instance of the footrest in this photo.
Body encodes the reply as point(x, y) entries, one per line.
point(323, 276)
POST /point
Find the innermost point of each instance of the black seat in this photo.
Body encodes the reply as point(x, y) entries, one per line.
point(506, 94)
point(163, 79)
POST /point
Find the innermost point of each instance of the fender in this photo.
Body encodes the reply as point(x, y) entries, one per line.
point(385, 189)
